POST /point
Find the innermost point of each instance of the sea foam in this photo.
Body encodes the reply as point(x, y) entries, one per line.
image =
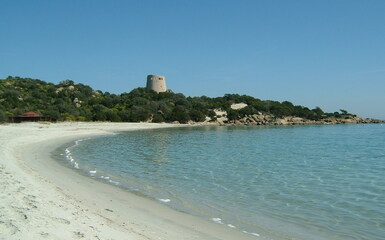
point(217, 220)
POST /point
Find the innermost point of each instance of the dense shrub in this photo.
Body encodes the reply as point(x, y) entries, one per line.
point(74, 101)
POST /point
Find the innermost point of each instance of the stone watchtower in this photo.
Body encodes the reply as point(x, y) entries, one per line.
point(156, 83)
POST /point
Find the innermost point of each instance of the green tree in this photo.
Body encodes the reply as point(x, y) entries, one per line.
point(197, 116)
point(158, 118)
point(180, 114)
point(344, 112)
point(3, 117)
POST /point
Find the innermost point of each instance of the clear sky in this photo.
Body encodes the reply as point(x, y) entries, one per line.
point(327, 53)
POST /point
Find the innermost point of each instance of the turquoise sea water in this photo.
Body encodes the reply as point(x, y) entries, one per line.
point(294, 182)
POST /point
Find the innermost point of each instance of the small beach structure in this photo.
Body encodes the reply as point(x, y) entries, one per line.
point(28, 117)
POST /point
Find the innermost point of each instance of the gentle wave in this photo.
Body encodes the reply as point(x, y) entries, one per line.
point(93, 173)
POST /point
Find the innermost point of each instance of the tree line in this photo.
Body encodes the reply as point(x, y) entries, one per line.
point(78, 102)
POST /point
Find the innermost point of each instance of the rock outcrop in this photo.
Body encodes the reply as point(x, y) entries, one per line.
point(269, 119)
point(221, 118)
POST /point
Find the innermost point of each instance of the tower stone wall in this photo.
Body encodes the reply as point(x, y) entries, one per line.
point(156, 83)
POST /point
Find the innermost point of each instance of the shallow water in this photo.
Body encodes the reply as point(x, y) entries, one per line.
point(293, 182)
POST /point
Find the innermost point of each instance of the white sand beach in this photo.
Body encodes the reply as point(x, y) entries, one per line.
point(42, 199)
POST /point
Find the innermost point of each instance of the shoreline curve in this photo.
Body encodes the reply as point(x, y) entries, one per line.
point(42, 199)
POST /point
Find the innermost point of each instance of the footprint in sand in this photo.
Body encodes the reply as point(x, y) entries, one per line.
point(62, 220)
point(8, 228)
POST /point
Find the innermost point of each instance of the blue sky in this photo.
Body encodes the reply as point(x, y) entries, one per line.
point(325, 53)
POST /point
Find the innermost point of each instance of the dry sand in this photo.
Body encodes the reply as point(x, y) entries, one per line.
point(42, 199)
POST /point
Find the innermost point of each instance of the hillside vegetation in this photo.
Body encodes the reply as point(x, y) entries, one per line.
point(78, 102)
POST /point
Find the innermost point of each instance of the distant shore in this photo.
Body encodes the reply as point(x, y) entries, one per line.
point(265, 119)
point(42, 199)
